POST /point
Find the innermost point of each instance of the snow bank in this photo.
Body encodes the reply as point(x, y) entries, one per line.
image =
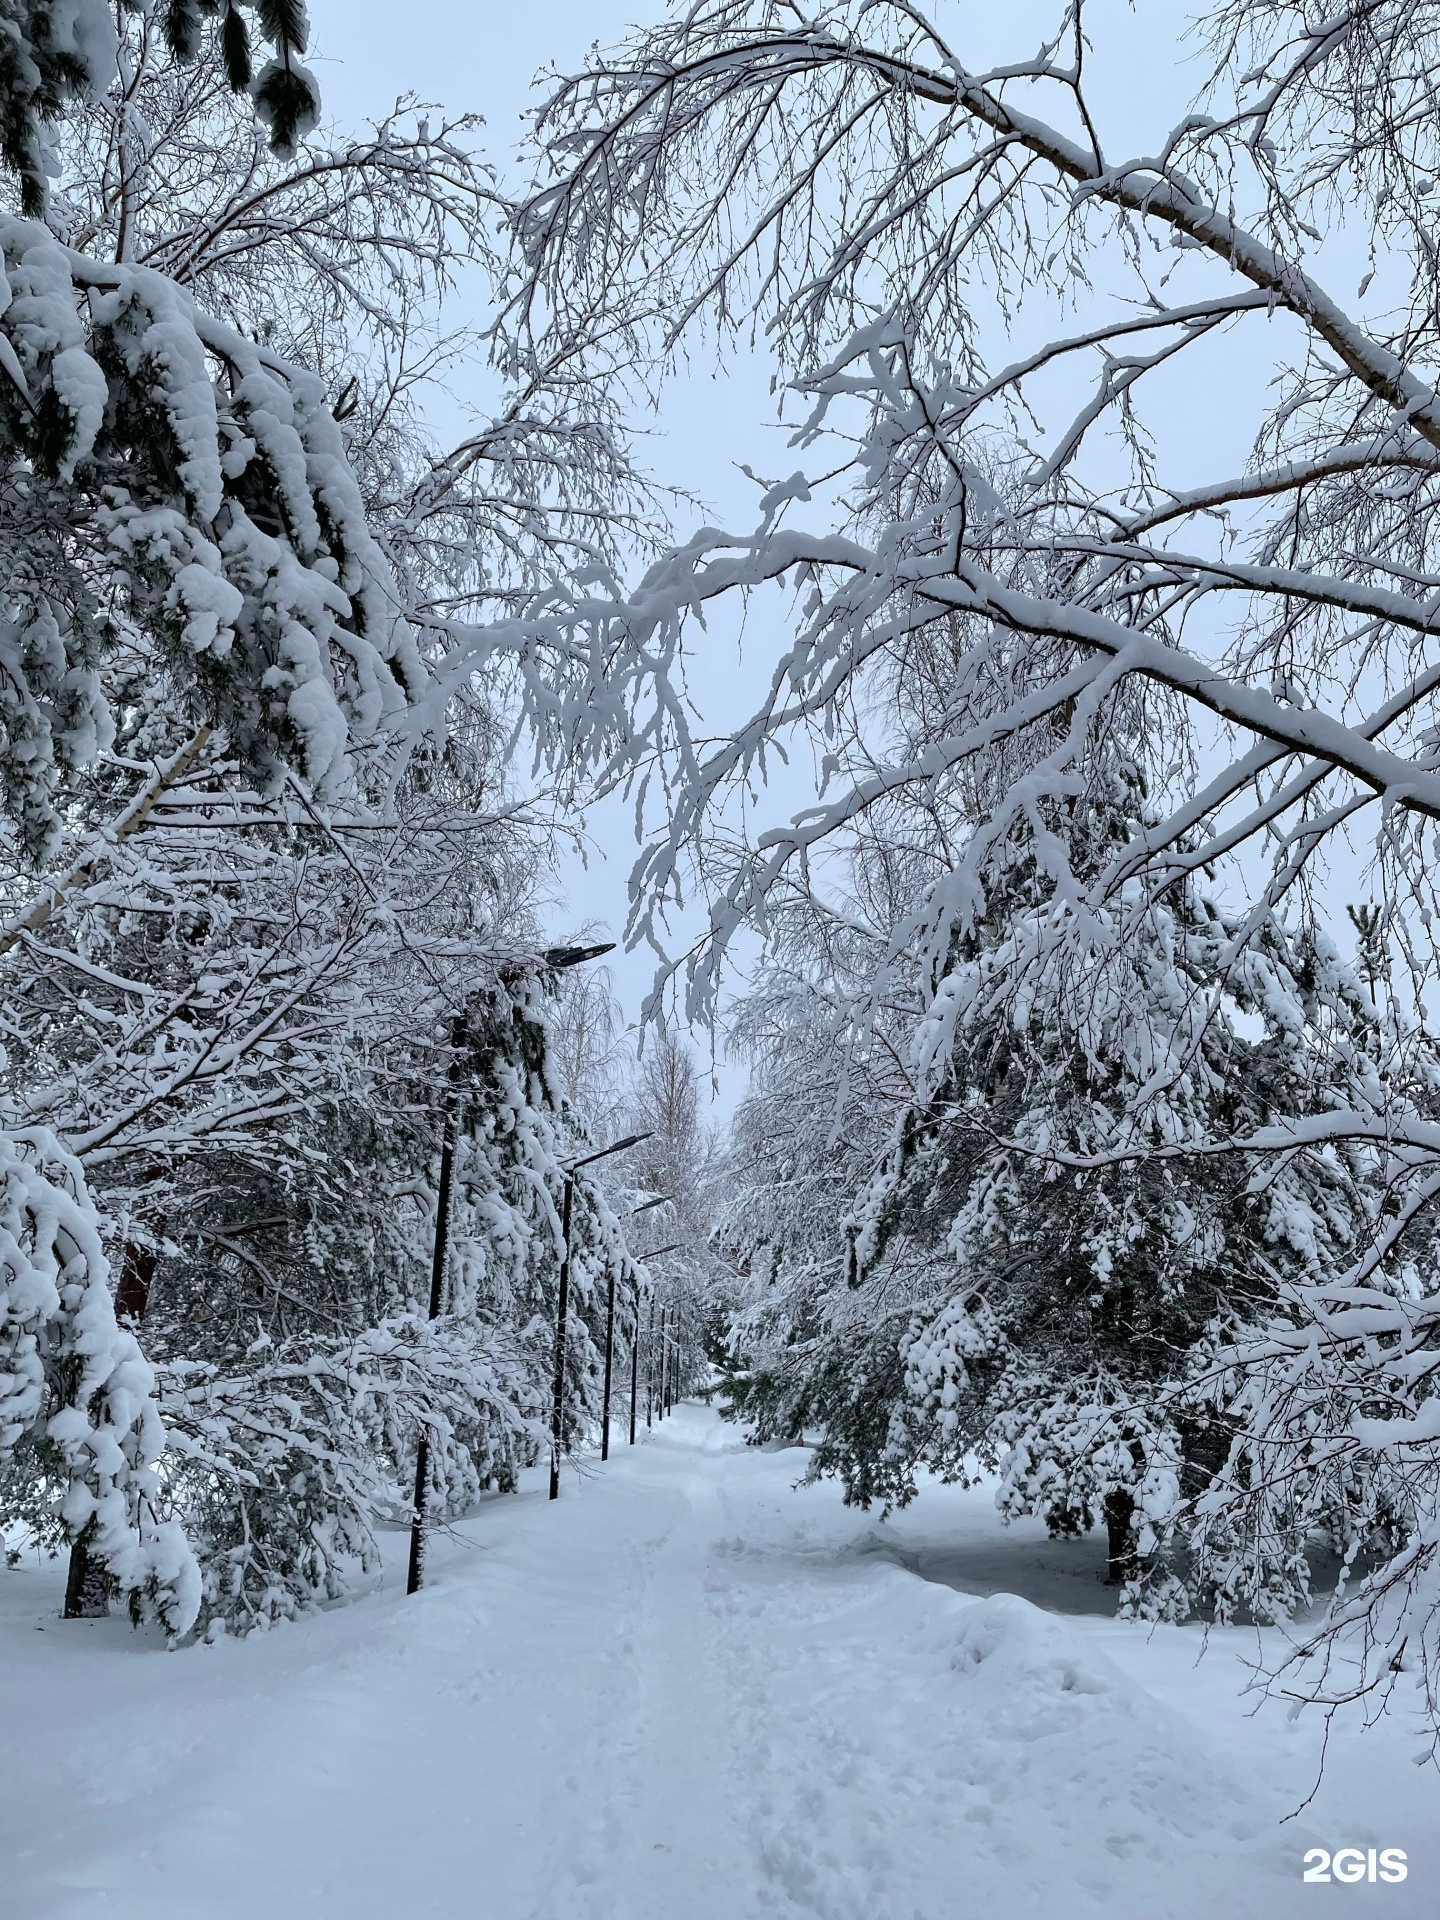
point(685, 1691)
point(927, 1755)
point(1060, 1726)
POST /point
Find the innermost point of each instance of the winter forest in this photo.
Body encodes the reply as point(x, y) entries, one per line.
point(720, 795)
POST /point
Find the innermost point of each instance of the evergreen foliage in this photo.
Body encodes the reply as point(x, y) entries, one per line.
point(55, 52)
point(1055, 1237)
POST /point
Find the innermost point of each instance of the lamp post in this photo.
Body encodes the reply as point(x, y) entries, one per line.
point(650, 1367)
point(562, 1312)
point(660, 1200)
point(653, 1254)
point(660, 1353)
point(673, 1375)
point(557, 959)
point(635, 1360)
point(660, 1396)
point(609, 1355)
point(416, 1572)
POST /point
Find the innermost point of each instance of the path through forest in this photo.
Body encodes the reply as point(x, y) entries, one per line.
point(686, 1692)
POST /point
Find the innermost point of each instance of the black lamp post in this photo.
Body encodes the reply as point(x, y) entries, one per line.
point(562, 1313)
point(650, 1367)
point(653, 1254)
point(557, 959)
point(660, 1200)
point(609, 1356)
point(416, 1571)
point(659, 1400)
point(635, 1360)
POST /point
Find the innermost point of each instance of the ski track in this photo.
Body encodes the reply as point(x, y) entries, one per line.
point(686, 1693)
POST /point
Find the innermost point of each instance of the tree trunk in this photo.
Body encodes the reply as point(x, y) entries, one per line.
point(137, 1272)
point(1123, 1560)
point(88, 1585)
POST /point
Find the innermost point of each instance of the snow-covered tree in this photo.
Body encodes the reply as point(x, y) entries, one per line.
point(971, 1271)
point(1083, 1234)
point(676, 1161)
point(79, 1397)
point(347, 257)
point(226, 973)
point(245, 1026)
point(830, 1077)
point(289, 1447)
point(975, 283)
point(165, 471)
point(58, 51)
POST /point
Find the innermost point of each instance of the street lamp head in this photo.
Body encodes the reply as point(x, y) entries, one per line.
point(618, 1146)
point(559, 958)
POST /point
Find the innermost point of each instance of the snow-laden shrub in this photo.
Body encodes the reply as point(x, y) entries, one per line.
point(77, 1388)
point(284, 1465)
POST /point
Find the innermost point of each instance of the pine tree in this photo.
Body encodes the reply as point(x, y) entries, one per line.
point(54, 53)
point(1054, 1231)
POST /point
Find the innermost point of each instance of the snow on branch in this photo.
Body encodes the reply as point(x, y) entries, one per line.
point(212, 480)
point(62, 1354)
point(1053, 681)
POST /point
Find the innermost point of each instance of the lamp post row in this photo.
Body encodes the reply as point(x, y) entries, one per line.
point(562, 1312)
point(437, 1289)
point(558, 959)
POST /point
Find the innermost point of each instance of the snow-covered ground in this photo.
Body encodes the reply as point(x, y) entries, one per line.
point(687, 1692)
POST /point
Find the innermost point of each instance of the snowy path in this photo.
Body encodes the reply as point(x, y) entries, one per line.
point(684, 1693)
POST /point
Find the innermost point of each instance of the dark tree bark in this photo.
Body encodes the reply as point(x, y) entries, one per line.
point(1123, 1561)
point(87, 1585)
point(137, 1273)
